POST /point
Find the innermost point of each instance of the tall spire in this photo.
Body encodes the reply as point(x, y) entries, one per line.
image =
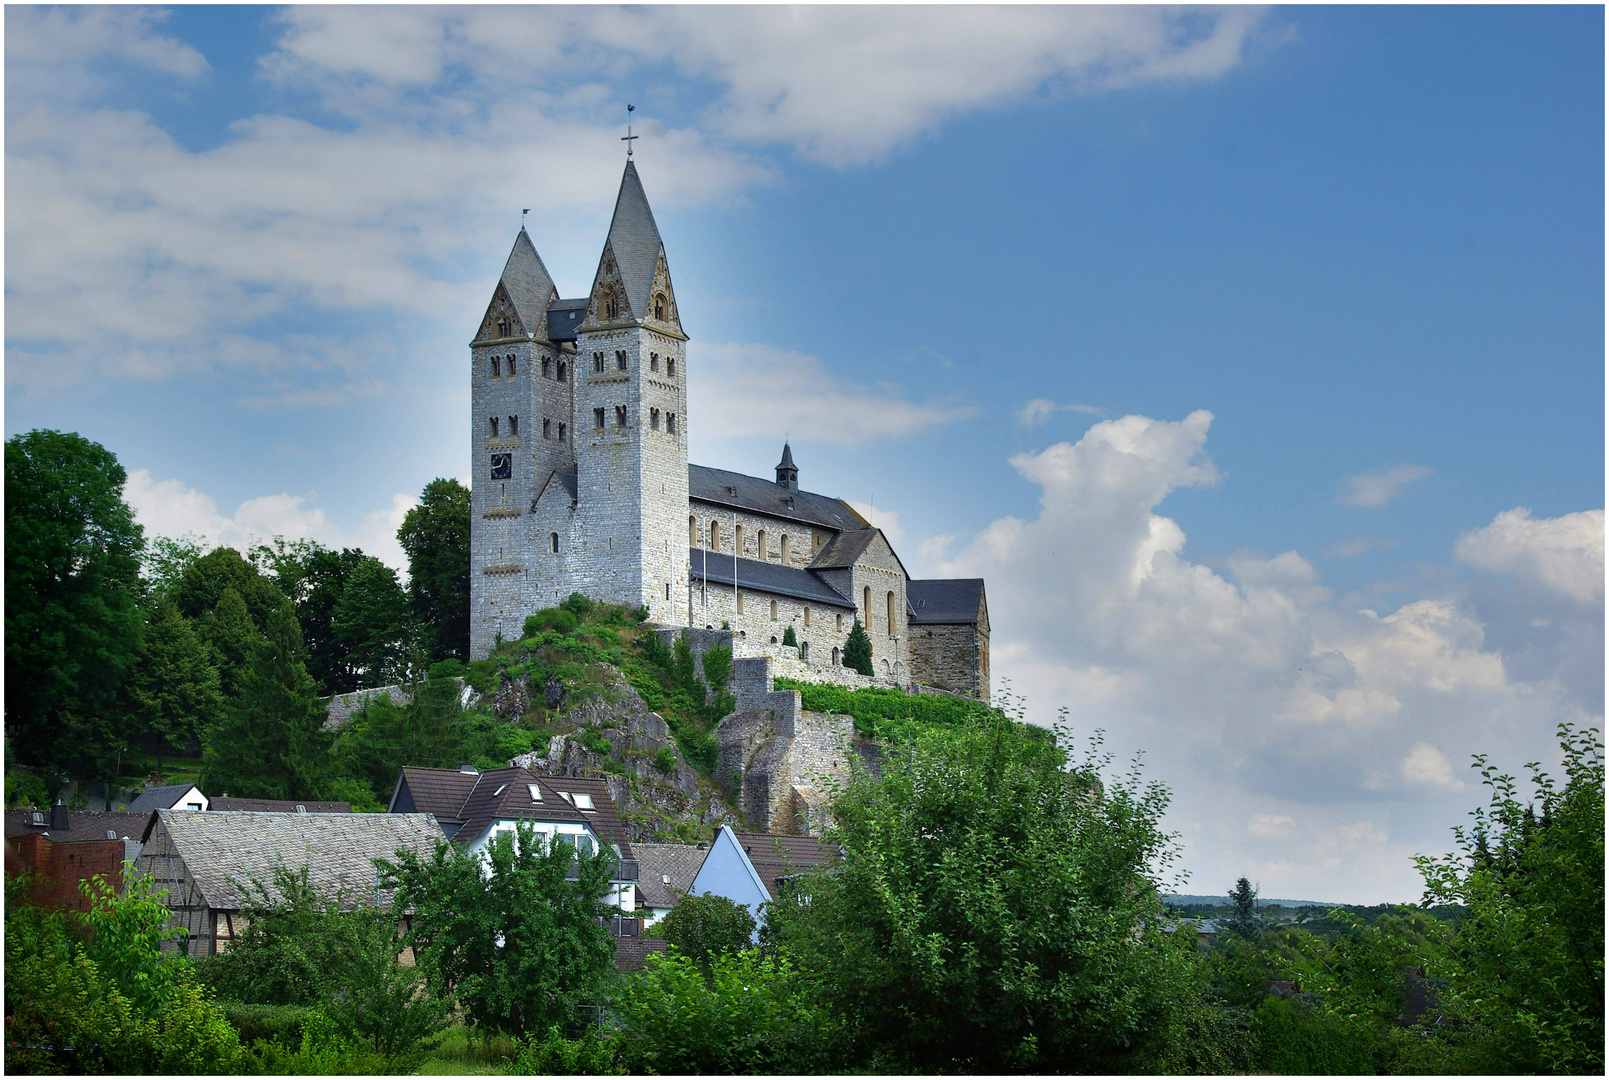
point(787, 471)
point(526, 287)
point(634, 239)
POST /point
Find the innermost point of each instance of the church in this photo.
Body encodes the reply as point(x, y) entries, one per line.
point(578, 437)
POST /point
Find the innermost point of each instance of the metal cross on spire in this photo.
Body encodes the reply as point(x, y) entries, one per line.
point(628, 136)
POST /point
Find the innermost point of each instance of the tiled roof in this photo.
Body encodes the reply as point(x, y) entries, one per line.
point(763, 577)
point(278, 806)
point(506, 793)
point(678, 862)
point(82, 825)
point(435, 791)
point(604, 818)
point(715, 486)
point(634, 238)
point(632, 953)
point(158, 798)
point(775, 857)
point(225, 851)
point(944, 600)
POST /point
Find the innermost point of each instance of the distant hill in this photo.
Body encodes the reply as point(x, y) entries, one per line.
point(1223, 901)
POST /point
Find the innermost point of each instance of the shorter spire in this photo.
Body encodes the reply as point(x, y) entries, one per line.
point(787, 471)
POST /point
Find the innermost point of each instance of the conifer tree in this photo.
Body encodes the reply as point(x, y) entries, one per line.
point(271, 742)
point(174, 688)
point(858, 650)
point(230, 634)
point(789, 637)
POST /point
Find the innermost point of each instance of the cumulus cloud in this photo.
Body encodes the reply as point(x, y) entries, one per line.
point(1253, 691)
point(752, 389)
point(1378, 488)
point(1039, 410)
point(1563, 555)
point(887, 520)
point(173, 508)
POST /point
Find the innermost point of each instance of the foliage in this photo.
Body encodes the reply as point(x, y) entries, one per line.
point(717, 672)
point(556, 619)
point(435, 535)
point(891, 714)
point(858, 650)
point(1525, 982)
point(315, 578)
point(789, 637)
point(232, 638)
point(112, 1005)
point(201, 588)
point(750, 1014)
point(271, 741)
point(319, 1048)
point(554, 1055)
point(166, 559)
point(993, 912)
point(1294, 1039)
point(707, 927)
point(521, 947)
point(174, 689)
point(577, 604)
point(1244, 921)
point(383, 736)
point(73, 591)
point(374, 622)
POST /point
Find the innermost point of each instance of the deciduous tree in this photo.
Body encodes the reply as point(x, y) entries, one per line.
point(435, 534)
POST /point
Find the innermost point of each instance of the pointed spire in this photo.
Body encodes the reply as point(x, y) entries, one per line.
point(528, 284)
point(634, 239)
point(787, 471)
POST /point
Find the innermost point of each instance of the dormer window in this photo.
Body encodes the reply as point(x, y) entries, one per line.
point(536, 792)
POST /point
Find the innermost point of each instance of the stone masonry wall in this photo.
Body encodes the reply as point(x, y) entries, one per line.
point(950, 658)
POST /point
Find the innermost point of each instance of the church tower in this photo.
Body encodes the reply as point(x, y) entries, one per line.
point(631, 420)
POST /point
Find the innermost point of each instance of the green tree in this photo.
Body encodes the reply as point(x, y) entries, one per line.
point(166, 559)
point(789, 637)
point(747, 1015)
point(520, 944)
point(708, 926)
point(314, 578)
point(232, 639)
point(174, 690)
point(202, 585)
point(994, 912)
point(383, 736)
point(1524, 983)
point(1243, 898)
point(435, 535)
point(373, 621)
point(271, 742)
point(73, 592)
point(858, 650)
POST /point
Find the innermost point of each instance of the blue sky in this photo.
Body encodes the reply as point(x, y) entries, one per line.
point(991, 269)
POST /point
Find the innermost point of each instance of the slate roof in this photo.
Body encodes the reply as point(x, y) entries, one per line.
point(634, 239)
point(632, 953)
point(158, 798)
point(278, 806)
point(528, 284)
point(564, 316)
point(82, 825)
point(434, 791)
point(944, 600)
point(678, 862)
point(775, 857)
point(223, 851)
point(845, 549)
point(714, 486)
point(763, 577)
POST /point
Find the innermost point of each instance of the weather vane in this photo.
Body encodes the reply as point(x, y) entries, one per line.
point(522, 218)
point(628, 136)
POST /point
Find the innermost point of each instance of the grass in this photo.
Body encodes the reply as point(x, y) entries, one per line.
point(465, 1053)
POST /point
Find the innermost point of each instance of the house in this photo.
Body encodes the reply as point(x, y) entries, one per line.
point(280, 806)
point(472, 807)
point(64, 848)
point(665, 875)
point(172, 797)
point(752, 869)
point(207, 862)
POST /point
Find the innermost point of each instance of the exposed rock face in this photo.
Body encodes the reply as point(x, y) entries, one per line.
point(651, 800)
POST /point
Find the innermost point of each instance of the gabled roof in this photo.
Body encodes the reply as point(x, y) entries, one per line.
point(467, 803)
point(944, 600)
point(158, 798)
point(224, 851)
point(657, 862)
point(505, 794)
point(528, 284)
point(727, 871)
point(777, 857)
point(279, 806)
point(770, 577)
point(82, 825)
point(441, 792)
point(603, 817)
point(848, 548)
point(730, 489)
point(634, 239)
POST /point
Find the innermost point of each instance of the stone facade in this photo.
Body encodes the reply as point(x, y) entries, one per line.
point(582, 484)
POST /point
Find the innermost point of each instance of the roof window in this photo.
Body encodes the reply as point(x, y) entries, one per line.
point(536, 792)
point(731, 489)
point(583, 802)
point(500, 791)
point(110, 835)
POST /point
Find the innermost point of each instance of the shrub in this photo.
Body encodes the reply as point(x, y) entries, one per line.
point(665, 760)
point(593, 740)
point(789, 637)
point(1293, 1039)
point(273, 1023)
point(554, 1055)
point(708, 926)
point(858, 650)
point(559, 620)
point(450, 668)
point(577, 604)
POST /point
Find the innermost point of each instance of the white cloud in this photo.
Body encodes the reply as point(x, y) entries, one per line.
point(1039, 410)
point(1563, 555)
point(750, 389)
point(1271, 825)
point(70, 51)
point(173, 508)
point(1378, 488)
point(1252, 692)
point(887, 520)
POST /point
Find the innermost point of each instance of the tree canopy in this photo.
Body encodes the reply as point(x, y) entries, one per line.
point(435, 535)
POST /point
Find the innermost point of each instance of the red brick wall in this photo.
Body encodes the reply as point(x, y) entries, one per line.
point(60, 867)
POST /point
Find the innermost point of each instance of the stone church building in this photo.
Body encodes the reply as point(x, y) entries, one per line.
point(581, 484)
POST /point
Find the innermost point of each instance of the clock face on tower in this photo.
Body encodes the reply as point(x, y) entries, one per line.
point(502, 466)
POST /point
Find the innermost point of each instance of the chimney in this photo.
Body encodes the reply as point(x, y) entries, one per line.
point(58, 815)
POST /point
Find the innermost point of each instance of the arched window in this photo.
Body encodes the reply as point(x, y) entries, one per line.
point(839, 628)
point(737, 539)
point(807, 616)
point(659, 308)
point(494, 426)
point(773, 639)
point(759, 545)
point(547, 367)
point(497, 366)
point(773, 610)
point(740, 608)
point(835, 656)
point(563, 368)
point(866, 606)
point(553, 542)
point(692, 531)
point(892, 624)
point(804, 650)
point(504, 328)
point(563, 430)
point(715, 536)
point(784, 549)
point(511, 364)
